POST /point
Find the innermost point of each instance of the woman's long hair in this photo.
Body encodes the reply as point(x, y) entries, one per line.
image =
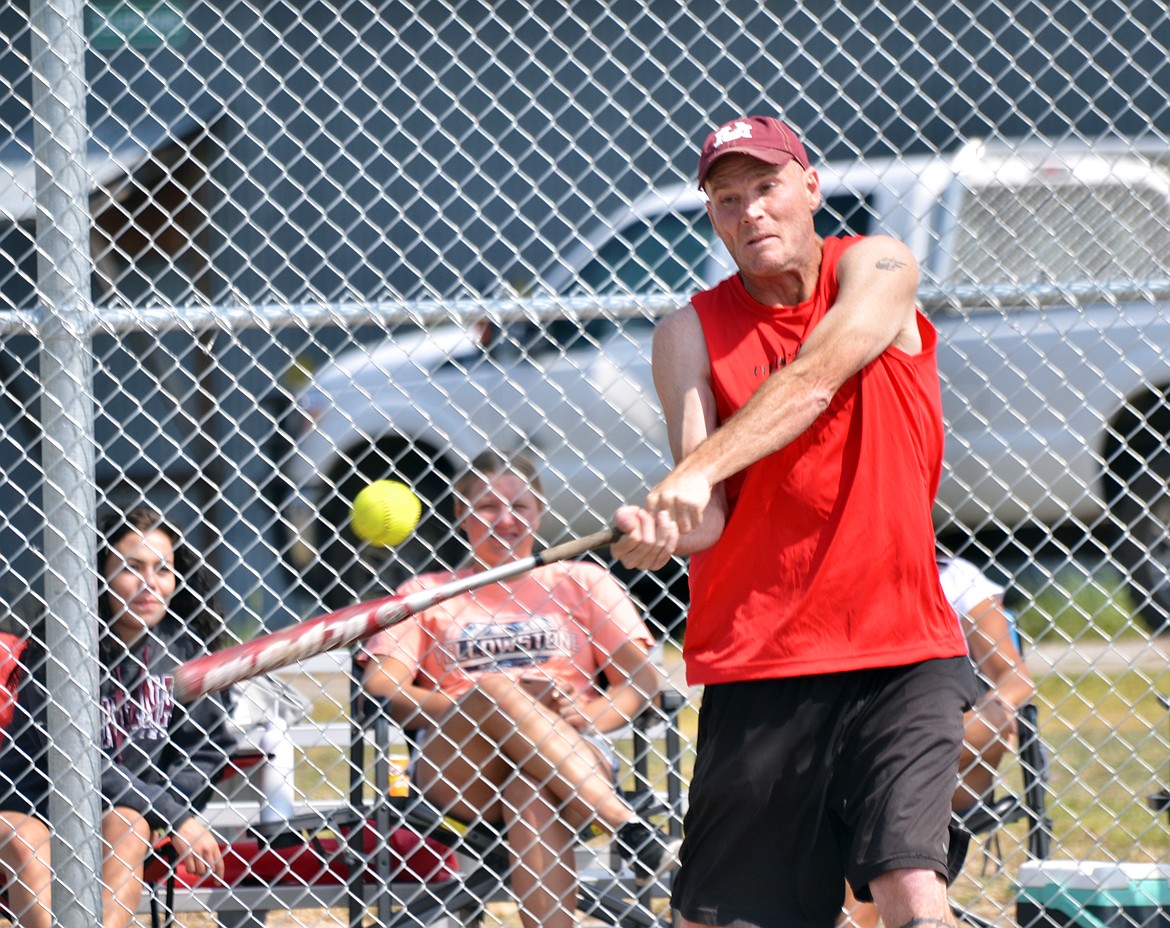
point(193, 604)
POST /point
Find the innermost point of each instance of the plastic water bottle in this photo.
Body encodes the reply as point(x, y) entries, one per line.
point(277, 786)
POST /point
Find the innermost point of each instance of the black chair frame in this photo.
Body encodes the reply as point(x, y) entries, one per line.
point(1160, 801)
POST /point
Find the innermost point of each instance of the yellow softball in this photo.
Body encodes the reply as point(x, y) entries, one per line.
point(385, 513)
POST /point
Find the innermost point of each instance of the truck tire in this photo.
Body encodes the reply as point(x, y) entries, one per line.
point(1143, 511)
point(351, 570)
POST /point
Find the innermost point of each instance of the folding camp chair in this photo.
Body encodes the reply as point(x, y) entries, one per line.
point(308, 860)
point(1160, 801)
point(605, 892)
point(994, 812)
point(312, 861)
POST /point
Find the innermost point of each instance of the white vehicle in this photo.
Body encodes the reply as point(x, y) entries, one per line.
point(1056, 402)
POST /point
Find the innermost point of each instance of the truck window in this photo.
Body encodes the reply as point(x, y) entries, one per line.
point(663, 255)
point(845, 214)
point(1037, 233)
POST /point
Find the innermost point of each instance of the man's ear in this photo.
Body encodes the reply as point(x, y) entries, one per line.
point(812, 182)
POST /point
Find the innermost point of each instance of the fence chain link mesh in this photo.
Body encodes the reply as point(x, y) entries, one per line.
point(337, 242)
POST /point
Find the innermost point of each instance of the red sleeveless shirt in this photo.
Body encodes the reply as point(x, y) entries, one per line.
point(827, 562)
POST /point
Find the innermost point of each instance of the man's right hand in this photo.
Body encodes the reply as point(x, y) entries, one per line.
point(683, 496)
point(647, 542)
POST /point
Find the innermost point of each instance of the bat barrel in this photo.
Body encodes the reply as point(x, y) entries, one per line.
point(339, 629)
point(221, 669)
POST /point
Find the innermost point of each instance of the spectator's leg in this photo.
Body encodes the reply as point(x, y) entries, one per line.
point(505, 758)
point(912, 897)
point(499, 718)
point(126, 836)
point(983, 749)
point(28, 876)
point(544, 882)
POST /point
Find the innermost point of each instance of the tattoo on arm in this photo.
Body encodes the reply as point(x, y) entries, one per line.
point(889, 264)
point(927, 923)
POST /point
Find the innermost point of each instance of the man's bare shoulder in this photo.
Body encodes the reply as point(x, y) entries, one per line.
point(679, 343)
point(880, 252)
point(683, 323)
point(878, 280)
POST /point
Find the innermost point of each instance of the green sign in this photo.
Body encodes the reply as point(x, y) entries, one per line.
point(117, 24)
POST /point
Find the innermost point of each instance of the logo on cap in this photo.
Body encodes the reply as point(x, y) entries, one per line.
point(762, 137)
point(731, 132)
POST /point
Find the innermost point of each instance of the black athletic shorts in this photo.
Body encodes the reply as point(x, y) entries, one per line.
point(802, 783)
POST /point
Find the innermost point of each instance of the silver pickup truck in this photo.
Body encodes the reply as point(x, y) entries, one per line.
point(1046, 270)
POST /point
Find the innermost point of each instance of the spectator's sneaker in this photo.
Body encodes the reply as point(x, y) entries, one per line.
point(650, 853)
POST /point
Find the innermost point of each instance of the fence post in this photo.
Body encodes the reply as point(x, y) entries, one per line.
point(67, 452)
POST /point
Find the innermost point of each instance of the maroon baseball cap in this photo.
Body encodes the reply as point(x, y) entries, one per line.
point(761, 137)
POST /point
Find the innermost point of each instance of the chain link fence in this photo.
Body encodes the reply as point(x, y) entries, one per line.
point(258, 255)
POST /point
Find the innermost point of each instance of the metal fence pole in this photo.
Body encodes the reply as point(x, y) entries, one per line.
point(63, 228)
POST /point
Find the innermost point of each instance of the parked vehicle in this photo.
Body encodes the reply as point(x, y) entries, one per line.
point(1039, 267)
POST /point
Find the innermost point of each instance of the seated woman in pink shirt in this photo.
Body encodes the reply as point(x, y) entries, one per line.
point(503, 684)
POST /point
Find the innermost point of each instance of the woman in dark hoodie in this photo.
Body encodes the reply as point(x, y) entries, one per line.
point(160, 759)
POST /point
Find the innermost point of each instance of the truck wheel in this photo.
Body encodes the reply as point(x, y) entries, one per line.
point(352, 570)
point(1143, 510)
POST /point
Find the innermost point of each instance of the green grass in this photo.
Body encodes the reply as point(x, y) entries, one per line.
point(1109, 741)
point(1073, 604)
